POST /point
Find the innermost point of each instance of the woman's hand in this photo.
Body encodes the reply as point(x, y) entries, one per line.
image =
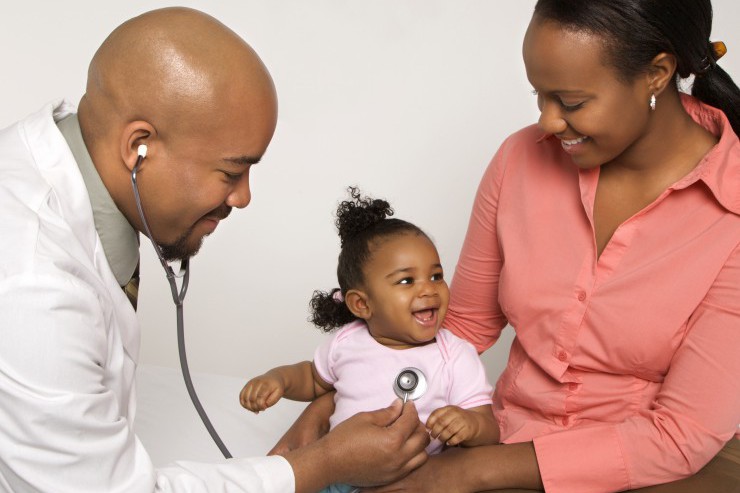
point(474, 469)
point(312, 424)
point(442, 473)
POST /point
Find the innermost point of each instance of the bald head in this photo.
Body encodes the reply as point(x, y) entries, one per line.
point(172, 67)
point(199, 97)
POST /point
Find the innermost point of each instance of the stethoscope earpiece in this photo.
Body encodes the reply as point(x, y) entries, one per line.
point(411, 383)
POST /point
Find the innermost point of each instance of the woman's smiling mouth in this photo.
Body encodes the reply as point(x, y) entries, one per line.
point(570, 145)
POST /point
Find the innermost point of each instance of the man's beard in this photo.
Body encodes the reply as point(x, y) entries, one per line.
point(179, 249)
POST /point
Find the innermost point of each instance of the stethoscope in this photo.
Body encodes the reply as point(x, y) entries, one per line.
point(177, 298)
point(410, 383)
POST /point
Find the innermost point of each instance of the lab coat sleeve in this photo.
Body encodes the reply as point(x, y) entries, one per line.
point(63, 428)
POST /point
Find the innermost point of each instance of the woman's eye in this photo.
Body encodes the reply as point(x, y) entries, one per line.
point(571, 107)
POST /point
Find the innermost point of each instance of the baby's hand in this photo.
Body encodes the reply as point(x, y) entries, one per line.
point(261, 392)
point(453, 425)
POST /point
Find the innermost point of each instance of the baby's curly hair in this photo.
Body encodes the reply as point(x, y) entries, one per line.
point(361, 223)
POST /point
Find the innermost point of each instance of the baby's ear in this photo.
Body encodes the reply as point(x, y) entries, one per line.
point(356, 301)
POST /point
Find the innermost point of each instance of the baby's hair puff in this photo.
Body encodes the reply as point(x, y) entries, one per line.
point(362, 222)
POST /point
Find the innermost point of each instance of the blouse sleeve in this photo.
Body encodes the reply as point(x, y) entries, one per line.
point(694, 414)
point(474, 313)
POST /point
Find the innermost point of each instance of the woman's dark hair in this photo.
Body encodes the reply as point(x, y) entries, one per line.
point(361, 222)
point(635, 31)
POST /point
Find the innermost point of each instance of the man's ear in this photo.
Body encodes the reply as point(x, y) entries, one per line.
point(133, 135)
point(356, 301)
point(661, 73)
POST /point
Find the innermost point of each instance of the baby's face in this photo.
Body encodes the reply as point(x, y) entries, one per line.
point(407, 295)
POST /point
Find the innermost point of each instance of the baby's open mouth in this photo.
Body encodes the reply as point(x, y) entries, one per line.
point(427, 316)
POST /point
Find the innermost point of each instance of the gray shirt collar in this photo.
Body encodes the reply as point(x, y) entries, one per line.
point(120, 241)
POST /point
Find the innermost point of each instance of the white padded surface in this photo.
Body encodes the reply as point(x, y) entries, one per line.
point(168, 425)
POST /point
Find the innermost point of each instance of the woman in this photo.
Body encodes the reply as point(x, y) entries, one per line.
point(608, 236)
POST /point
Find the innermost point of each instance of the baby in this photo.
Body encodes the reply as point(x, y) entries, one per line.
point(388, 342)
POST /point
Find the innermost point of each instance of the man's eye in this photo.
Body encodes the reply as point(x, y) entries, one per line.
point(232, 177)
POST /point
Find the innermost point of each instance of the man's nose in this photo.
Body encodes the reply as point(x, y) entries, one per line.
point(240, 195)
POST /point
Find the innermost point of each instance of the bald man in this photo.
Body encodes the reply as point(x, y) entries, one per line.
point(203, 103)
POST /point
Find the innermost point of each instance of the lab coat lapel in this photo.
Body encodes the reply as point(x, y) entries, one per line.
point(55, 162)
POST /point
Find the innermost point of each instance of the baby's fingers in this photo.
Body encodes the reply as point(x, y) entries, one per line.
point(254, 396)
point(442, 433)
point(440, 419)
point(271, 397)
point(455, 434)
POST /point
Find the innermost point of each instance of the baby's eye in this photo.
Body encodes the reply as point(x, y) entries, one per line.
point(406, 280)
point(438, 276)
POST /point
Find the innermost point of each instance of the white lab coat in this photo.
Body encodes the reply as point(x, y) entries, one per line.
point(69, 341)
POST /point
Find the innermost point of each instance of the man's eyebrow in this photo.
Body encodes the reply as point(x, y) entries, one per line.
point(243, 160)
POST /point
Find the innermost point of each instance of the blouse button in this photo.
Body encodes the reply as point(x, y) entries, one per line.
point(572, 386)
point(581, 296)
point(562, 356)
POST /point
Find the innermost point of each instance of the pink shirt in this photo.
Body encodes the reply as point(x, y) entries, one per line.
point(625, 370)
point(363, 371)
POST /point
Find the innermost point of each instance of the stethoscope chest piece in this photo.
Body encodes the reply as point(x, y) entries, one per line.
point(411, 383)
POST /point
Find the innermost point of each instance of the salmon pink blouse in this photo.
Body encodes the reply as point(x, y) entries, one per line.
point(625, 370)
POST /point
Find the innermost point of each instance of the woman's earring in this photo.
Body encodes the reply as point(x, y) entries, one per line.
point(652, 102)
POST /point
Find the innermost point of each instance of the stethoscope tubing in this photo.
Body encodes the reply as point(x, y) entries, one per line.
point(178, 297)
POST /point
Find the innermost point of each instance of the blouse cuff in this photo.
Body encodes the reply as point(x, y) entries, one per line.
point(586, 460)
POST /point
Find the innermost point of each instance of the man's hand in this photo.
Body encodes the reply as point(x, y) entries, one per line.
point(370, 448)
point(261, 392)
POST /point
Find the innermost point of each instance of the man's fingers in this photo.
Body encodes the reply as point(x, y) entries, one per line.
point(386, 416)
point(409, 417)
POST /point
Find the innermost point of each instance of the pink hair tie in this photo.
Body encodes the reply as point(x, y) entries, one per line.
point(338, 296)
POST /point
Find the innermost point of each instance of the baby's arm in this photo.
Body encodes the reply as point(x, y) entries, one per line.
point(298, 382)
point(467, 427)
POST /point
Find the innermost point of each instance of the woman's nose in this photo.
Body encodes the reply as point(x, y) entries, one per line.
point(551, 120)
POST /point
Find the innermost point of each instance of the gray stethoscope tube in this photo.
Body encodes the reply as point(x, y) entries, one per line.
point(177, 298)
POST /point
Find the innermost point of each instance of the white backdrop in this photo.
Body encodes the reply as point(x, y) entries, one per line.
point(408, 99)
